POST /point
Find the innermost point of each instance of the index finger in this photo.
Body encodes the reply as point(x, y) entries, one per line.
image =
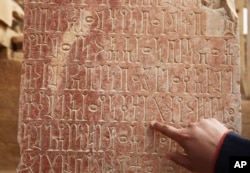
point(167, 130)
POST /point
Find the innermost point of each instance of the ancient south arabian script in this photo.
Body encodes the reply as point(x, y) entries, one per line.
point(96, 72)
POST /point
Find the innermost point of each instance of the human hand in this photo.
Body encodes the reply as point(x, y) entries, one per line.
point(199, 140)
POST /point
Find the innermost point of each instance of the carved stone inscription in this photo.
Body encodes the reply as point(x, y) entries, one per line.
point(98, 71)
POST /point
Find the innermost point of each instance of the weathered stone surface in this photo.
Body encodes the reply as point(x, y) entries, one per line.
point(9, 100)
point(11, 22)
point(97, 72)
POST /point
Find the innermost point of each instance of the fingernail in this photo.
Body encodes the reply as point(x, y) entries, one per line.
point(152, 123)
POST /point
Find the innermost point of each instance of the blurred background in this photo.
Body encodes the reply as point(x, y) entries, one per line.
point(11, 56)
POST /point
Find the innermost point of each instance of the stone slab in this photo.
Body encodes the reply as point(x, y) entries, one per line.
point(97, 72)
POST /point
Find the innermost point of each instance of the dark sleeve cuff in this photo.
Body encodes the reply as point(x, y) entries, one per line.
point(231, 145)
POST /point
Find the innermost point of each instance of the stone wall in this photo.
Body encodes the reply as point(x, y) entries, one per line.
point(20, 2)
point(10, 70)
point(9, 98)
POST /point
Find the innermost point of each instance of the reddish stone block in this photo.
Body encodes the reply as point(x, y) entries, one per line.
point(97, 72)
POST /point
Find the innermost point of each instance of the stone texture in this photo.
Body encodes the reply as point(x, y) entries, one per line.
point(246, 64)
point(9, 99)
point(11, 25)
point(97, 72)
point(245, 118)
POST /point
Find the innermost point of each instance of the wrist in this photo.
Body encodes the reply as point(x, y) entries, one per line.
point(219, 148)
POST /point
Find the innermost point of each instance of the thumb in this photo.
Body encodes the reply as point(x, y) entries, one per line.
point(180, 159)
